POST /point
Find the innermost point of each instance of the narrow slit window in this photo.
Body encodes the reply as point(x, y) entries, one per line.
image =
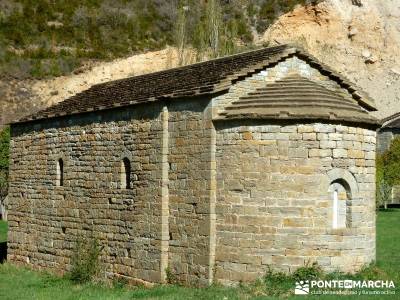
point(60, 172)
point(341, 197)
point(335, 209)
point(126, 174)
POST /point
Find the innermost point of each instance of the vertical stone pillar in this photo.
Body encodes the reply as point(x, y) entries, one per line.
point(213, 192)
point(213, 196)
point(164, 196)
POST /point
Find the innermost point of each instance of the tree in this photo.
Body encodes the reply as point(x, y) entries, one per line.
point(210, 28)
point(4, 161)
point(387, 173)
point(181, 33)
point(391, 163)
point(384, 193)
point(213, 26)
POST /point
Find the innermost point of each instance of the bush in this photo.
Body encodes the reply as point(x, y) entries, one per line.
point(4, 148)
point(387, 172)
point(308, 273)
point(36, 31)
point(383, 193)
point(279, 283)
point(391, 163)
point(85, 260)
point(170, 276)
point(4, 161)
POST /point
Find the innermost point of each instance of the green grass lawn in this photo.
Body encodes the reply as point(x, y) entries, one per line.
point(21, 283)
point(3, 231)
point(388, 243)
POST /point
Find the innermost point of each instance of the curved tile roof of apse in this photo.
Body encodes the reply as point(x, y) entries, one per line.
point(296, 97)
point(392, 121)
point(198, 79)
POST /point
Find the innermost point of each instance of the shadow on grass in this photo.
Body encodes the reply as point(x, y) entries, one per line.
point(3, 252)
point(388, 210)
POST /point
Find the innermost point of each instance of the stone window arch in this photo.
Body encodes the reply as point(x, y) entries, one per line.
point(126, 173)
point(340, 197)
point(60, 172)
point(342, 189)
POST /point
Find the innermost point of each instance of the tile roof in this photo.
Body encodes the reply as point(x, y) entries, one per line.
point(296, 97)
point(392, 121)
point(198, 79)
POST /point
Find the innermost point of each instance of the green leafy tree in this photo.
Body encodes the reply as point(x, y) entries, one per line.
point(4, 160)
point(391, 162)
point(207, 32)
point(181, 32)
point(387, 173)
point(213, 27)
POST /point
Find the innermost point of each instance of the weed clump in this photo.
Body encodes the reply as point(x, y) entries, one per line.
point(171, 278)
point(281, 284)
point(85, 260)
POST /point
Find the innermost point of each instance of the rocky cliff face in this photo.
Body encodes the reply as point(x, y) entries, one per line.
point(20, 98)
point(359, 38)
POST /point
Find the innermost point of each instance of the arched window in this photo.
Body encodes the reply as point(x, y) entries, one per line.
point(340, 196)
point(125, 174)
point(60, 172)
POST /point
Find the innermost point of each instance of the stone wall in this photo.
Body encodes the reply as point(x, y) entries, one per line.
point(3, 211)
point(396, 195)
point(190, 134)
point(45, 220)
point(385, 137)
point(162, 222)
point(274, 205)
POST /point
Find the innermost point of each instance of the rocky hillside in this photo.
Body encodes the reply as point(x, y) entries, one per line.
point(22, 97)
point(359, 38)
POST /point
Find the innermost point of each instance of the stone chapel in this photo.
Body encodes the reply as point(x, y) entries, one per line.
point(214, 171)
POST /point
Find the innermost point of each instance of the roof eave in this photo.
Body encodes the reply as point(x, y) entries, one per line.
point(360, 96)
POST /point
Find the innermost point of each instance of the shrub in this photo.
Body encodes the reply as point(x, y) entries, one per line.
point(4, 148)
point(279, 283)
point(383, 193)
point(170, 276)
point(387, 172)
point(391, 163)
point(4, 160)
point(85, 260)
point(308, 273)
point(106, 29)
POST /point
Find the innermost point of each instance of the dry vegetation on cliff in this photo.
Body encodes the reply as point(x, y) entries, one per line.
point(50, 50)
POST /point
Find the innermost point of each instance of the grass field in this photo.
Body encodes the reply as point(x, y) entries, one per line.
point(3, 231)
point(21, 283)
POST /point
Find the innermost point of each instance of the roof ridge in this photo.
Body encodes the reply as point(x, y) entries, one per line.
point(392, 121)
point(344, 82)
point(286, 100)
point(391, 117)
point(203, 78)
